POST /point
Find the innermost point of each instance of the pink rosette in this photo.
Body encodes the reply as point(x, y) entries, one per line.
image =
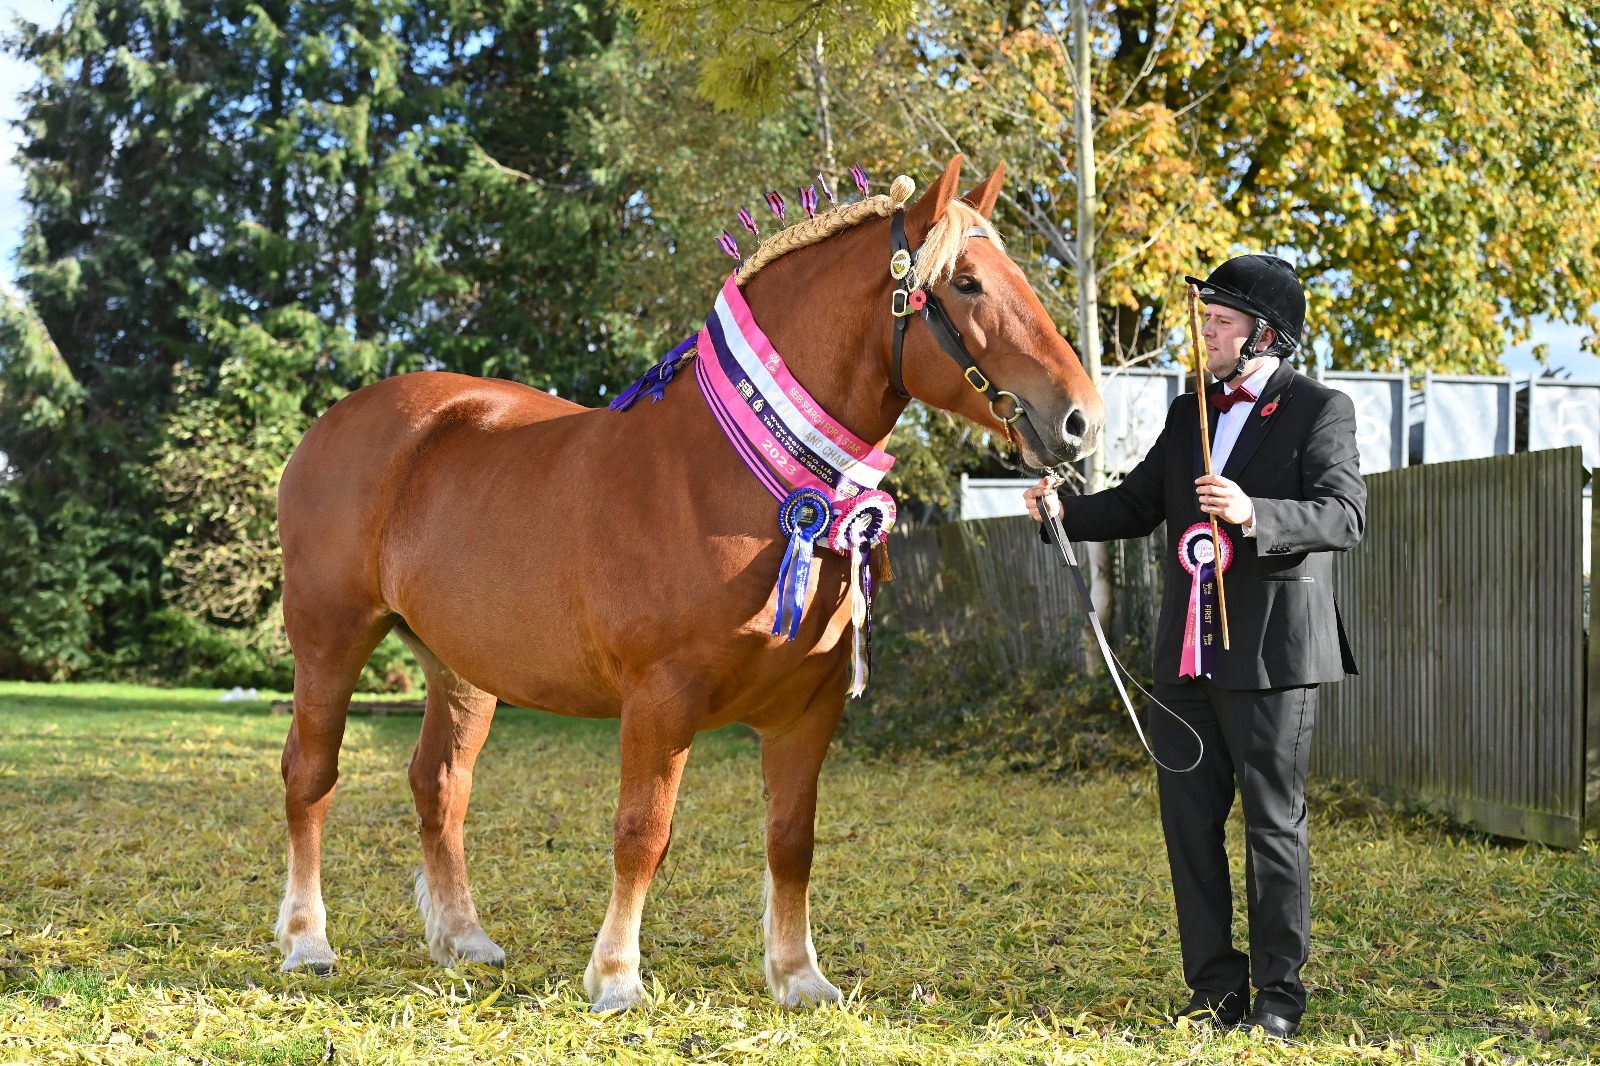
point(866, 520)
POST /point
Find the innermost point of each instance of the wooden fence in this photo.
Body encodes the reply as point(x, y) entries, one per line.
point(1464, 601)
point(1465, 604)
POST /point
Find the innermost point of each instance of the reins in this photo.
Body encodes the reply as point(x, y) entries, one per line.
point(1114, 664)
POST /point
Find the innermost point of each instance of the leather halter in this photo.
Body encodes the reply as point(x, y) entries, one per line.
point(910, 298)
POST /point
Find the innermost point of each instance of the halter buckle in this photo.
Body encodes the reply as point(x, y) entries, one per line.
point(981, 383)
point(900, 304)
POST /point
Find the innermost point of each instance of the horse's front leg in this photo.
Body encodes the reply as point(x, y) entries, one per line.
point(790, 763)
point(656, 734)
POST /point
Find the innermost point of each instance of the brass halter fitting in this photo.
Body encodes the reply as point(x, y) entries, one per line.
point(1016, 409)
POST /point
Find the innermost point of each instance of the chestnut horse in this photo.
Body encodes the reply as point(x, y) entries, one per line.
point(621, 565)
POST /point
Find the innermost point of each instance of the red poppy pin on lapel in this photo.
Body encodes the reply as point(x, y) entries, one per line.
point(1267, 411)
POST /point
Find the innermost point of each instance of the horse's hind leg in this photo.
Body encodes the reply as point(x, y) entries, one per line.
point(330, 648)
point(790, 763)
point(453, 731)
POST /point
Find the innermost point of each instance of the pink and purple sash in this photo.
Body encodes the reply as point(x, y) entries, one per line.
point(824, 477)
point(784, 436)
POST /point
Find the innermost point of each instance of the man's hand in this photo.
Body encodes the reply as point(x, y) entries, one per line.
point(1223, 498)
point(1044, 491)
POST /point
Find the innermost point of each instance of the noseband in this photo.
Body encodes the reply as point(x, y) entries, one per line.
point(911, 298)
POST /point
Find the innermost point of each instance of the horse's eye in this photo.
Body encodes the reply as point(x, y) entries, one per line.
point(967, 284)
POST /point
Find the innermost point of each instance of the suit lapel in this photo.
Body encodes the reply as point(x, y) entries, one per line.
point(1263, 416)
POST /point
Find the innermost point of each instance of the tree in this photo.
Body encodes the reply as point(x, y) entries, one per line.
point(239, 212)
point(1427, 166)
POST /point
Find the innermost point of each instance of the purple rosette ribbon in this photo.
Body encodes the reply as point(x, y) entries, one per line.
point(822, 181)
point(747, 221)
point(728, 244)
point(775, 202)
point(1204, 560)
point(655, 379)
point(862, 523)
point(808, 201)
point(859, 176)
point(803, 516)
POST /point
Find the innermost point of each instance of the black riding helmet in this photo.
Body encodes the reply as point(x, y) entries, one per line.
point(1263, 286)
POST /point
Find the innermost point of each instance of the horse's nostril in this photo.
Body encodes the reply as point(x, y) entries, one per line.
point(1075, 425)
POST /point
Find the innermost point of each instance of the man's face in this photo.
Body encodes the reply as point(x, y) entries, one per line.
point(1224, 333)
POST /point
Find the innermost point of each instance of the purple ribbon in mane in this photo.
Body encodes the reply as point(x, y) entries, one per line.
point(655, 379)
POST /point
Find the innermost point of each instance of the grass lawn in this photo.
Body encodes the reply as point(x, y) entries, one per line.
point(969, 919)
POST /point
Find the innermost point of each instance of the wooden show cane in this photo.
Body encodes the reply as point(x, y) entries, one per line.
point(1205, 443)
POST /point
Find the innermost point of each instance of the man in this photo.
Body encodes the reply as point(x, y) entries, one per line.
point(1287, 493)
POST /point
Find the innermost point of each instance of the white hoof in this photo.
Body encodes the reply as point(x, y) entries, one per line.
point(619, 993)
point(620, 996)
point(475, 946)
point(309, 950)
point(804, 989)
point(471, 944)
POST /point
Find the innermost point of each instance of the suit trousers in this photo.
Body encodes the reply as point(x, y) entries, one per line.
point(1261, 740)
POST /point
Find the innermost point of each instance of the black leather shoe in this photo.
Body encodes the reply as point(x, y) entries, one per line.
point(1273, 1026)
point(1224, 1013)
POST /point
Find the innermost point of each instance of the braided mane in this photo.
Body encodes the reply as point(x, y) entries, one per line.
point(936, 259)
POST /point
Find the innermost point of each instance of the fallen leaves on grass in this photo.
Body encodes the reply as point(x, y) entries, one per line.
point(970, 918)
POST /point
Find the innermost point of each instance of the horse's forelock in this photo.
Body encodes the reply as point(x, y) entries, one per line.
point(936, 259)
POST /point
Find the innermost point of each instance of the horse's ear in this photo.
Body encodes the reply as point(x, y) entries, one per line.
point(983, 198)
point(923, 215)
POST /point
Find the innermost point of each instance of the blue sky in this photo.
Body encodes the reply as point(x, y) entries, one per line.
point(1564, 340)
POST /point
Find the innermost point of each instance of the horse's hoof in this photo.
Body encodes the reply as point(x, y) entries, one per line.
point(807, 990)
point(477, 947)
point(619, 998)
point(317, 957)
point(473, 947)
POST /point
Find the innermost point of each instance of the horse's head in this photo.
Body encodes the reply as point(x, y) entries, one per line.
point(1057, 413)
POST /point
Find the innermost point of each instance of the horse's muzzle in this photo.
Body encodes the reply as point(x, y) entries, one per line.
point(1052, 442)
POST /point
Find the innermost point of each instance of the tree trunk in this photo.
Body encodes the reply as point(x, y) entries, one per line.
point(1099, 554)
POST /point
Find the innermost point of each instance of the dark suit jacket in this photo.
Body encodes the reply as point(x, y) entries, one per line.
point(1299, 466)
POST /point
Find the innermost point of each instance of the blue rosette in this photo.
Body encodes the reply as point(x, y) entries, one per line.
point(803, 516)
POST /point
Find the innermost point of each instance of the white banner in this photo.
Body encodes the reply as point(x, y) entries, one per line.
point(1467, 418)
point(1380, 401)
point(1136, 410)
point(1565, 413)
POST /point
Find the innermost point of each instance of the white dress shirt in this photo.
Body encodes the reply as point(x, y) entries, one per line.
point(1231, 422)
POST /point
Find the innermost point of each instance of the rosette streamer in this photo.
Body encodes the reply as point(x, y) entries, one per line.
point(747, 221)
point(804, 515)
point(728, 244)
point(808, 201)
point(863, 524)
point(1204, 561)
point(775, 201)
point(860, 178)
point(655, 379)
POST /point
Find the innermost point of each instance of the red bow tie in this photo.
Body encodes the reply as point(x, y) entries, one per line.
point(1224, 401)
